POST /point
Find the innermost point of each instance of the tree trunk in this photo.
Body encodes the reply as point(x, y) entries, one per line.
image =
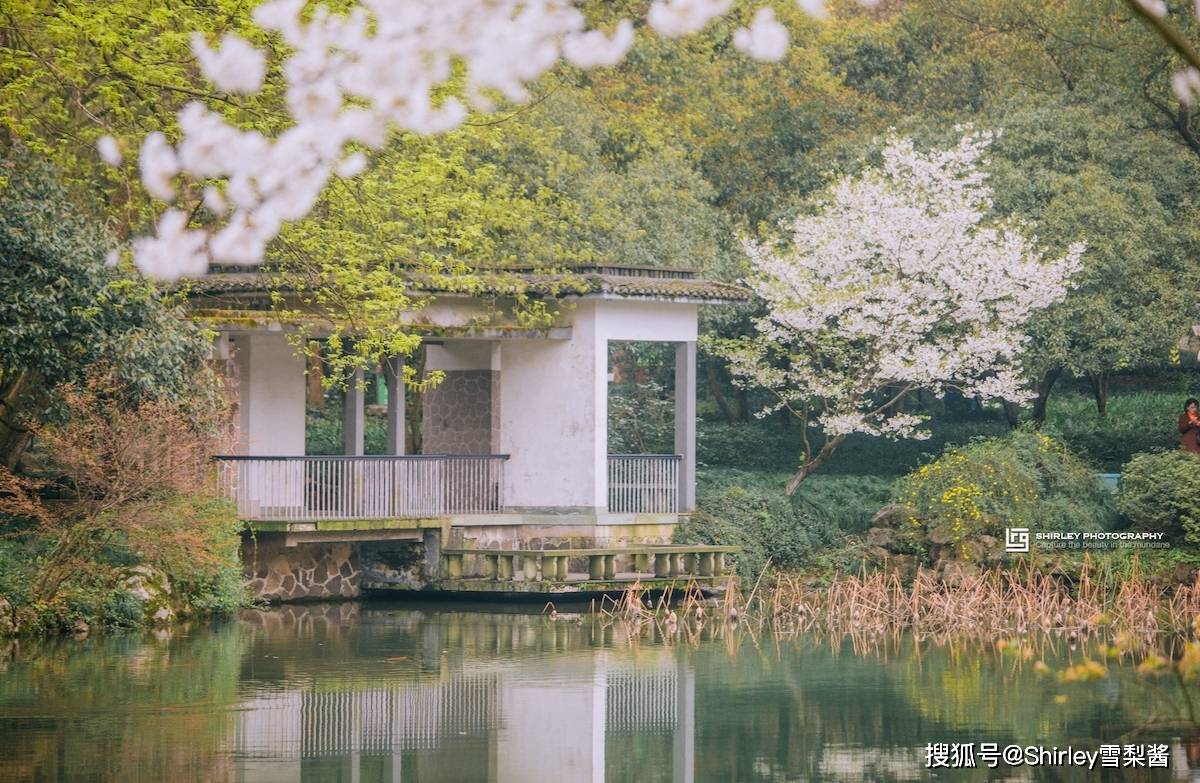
point(14, 447)
point(714, 389)
point(414, 405)
point(743, 405)
point(315, 389)
point(1044, 387)
point(811, 466)
point(1099, 382)
point(14, 437)
point(1012, 414)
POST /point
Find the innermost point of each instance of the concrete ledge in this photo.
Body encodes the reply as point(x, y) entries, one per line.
point(330, 536)
point(714, 584)
point(344, 525)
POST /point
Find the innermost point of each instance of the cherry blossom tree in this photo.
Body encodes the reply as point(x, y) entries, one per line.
point(899, 281)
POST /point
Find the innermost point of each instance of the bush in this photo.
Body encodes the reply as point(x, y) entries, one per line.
point(122, 610)
point(641, 419)
point(203, 566)
point(751, 510)
point(1026, 479)
point(1160, 492)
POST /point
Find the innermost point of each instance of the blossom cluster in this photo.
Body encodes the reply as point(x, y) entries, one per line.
point(900, 280)
point(351, 78)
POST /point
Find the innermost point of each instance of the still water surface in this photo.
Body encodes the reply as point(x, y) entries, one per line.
point(386, 692)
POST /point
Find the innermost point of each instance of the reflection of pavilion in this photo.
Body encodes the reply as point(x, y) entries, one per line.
point(507, 723)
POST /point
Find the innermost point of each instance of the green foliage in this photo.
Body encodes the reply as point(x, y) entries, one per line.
point(641, 419)
point(767, 445)
point(1161, 492)
point(72, 71)
point(66, 312)
point(1136, 421)
point(750, 510)
point(122, 609)
point(323, 431)
point(1025, 479)
point(204, 569)
point(1095, 171)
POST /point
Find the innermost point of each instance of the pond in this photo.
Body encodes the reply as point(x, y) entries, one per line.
point(400, 692)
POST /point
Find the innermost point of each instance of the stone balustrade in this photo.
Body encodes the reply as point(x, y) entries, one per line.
point(646, 562)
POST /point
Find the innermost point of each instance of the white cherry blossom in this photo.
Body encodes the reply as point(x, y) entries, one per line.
point(676, 18)
point(159, 165)
point(237, 67)
point(593, 48)
point(353, 76)
point(174, 252)
point(110, 151)
point(900, 280)
point(765, 39)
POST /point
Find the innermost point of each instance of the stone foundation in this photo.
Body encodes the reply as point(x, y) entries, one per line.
point(305, 571)
point(314, 571)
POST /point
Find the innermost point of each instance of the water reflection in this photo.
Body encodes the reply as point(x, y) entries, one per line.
point(369, 693)
point(503, 698)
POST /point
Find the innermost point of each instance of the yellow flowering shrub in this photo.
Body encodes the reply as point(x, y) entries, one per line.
point(1025, 479)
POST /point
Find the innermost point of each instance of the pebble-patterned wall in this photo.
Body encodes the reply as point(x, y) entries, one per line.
point(458, 414)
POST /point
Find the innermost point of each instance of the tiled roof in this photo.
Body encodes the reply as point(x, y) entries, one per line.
point(615, 281)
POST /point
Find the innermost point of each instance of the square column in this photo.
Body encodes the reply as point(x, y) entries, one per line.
point(393, 373)
point(270, 395)
point(353, 422)
point(685, 422)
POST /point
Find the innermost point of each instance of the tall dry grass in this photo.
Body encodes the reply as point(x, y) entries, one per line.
point(993, 606)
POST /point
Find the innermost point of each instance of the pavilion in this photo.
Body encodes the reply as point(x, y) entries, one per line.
point(516, 435)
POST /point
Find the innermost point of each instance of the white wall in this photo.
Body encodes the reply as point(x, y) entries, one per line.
point(554, 400)
point(461, 355)
point(547, 418)
point(270, 395)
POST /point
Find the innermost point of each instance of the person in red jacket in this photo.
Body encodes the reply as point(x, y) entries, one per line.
point(1189, 426)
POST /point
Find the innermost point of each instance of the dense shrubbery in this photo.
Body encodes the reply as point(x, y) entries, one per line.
point(750, 510)
point(1161, 492)
point(641, 419)
point(766, 445)
point(1026, 479)
point(121, 508)
point(323, 431)
point(194, 552)
point(1136, 422)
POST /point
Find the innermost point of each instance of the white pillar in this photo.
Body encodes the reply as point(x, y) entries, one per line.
point(270, 396)
point(352, 415)
point(393, 372)
point(685, 422)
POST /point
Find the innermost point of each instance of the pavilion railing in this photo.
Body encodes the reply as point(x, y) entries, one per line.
point(643, 483)
point(311, 489)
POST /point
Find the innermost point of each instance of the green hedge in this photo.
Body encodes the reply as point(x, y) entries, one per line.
point(769, 446)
